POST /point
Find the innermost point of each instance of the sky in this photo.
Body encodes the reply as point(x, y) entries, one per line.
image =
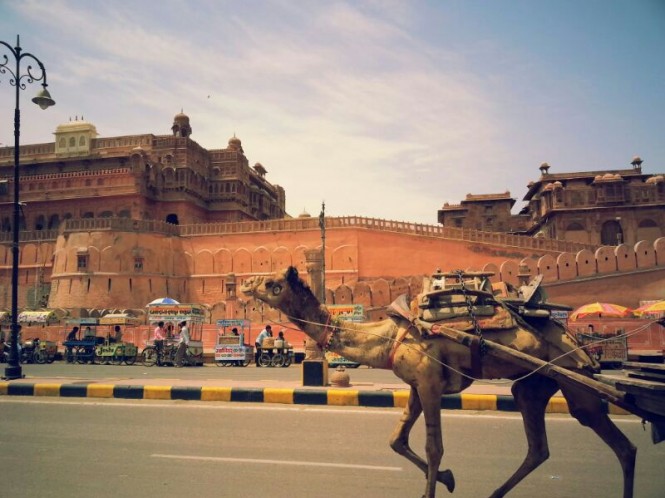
point(383, 109)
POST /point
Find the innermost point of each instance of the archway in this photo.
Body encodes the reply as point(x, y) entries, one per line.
point(611, 233)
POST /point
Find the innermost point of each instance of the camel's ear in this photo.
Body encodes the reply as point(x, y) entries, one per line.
point(291, 274)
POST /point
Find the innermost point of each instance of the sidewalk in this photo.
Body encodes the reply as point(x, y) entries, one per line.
point(479, 396)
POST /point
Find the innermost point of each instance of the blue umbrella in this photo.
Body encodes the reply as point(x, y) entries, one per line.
point(163, 300)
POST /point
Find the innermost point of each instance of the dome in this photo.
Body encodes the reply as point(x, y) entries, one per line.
point(304, 214)
point(181, 118)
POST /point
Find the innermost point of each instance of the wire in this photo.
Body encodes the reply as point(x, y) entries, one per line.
point(490, 381)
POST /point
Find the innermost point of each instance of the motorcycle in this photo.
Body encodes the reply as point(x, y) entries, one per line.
point(31, 351)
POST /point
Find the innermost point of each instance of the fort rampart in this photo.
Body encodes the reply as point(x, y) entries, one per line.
point(118, 263)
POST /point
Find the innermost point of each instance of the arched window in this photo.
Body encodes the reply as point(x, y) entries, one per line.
point(40, 222)
point(81, 141)
point(648, 229)
point(72, 142)
point(172, 218)
point(62, 143)
point(54, 222)
point(611, 233)
point(647, 223)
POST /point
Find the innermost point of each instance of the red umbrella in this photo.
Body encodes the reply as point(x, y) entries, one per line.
point(601, 310)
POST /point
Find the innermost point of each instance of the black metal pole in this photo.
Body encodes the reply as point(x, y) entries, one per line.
point(13, 369)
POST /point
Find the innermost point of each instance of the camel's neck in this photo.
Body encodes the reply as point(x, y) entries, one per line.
point(366, 343)
point(310, 317)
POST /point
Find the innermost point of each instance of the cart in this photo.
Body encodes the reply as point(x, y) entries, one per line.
point(274, 353)
point(172, 315)
point(230, 349)
point(82, 348)
point(112, 350)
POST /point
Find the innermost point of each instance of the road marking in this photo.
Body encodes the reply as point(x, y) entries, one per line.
point(278, 462)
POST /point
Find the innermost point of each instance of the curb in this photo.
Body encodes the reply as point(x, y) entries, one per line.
point(331, 397)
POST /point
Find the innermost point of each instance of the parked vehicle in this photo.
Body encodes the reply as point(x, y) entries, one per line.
point(172, 315)
point(80, 346)
point(114, 349)
point(231, 349)
point(38, 351)
point(165, 356)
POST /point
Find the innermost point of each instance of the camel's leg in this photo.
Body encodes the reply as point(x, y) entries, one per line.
point(589, 411)
point(531, 397)
point(399, 440)
point(430, 399)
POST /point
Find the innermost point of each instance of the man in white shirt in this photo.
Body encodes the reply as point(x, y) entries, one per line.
point(266, 332)
point(183, 344)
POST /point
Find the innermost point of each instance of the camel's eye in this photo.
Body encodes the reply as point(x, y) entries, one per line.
point(276, 290)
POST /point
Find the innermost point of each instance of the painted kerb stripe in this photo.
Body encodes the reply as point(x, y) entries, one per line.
point(338, 397)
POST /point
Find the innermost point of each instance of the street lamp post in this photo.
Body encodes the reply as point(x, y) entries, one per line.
point(43, 100)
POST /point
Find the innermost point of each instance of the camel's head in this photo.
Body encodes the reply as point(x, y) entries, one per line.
point(278, 291)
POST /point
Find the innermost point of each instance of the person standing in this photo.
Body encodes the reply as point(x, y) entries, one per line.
point(265, 333)
point(158, 337)
point(182, 344)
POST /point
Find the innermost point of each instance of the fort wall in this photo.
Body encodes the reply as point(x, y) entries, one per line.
point(368, 261)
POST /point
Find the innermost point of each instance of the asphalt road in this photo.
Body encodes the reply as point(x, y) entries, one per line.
point(208, 371)
point(54, 447)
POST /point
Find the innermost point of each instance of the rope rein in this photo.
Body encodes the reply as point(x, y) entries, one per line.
point(332, 330)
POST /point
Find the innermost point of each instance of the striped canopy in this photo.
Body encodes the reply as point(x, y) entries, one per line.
point(657, 308)
point(607, 310)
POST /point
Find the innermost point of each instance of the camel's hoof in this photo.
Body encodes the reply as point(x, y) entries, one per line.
point(446, 477)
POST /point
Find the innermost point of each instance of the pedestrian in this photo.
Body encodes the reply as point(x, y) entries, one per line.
point(182, 344)
point(72, 336)
point(265, 333)
point(158, 337)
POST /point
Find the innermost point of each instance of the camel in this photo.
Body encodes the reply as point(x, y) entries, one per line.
point(433, 366)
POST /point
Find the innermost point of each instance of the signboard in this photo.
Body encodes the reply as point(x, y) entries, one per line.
point(118, 319)
point(560, 315)
point(604, 349)
point(349, 312)
point(229, 340)
point(176, 312)
point(614, 350)
point(83, 321)
point(233, 323)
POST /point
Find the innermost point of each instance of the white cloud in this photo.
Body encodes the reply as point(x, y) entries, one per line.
point(363, 104)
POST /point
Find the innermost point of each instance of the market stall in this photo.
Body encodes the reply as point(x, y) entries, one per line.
point(231, 349)
point(172, 315)
point(117, 328)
